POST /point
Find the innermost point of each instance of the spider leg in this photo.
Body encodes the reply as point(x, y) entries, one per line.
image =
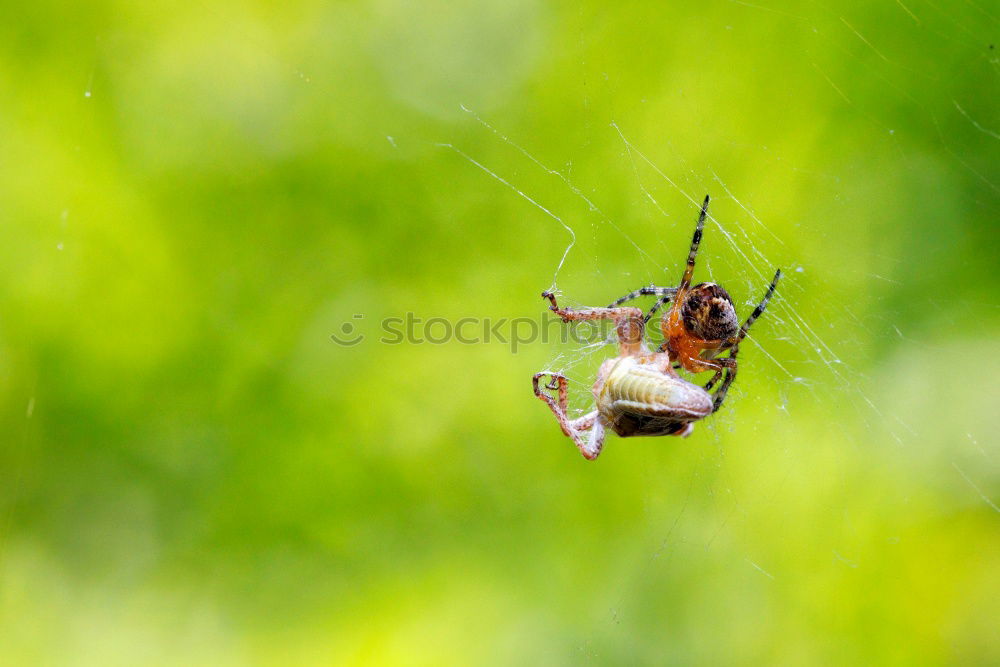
point(590, 448)
point(659, 304)
point(666, 292)
point(759, 309)
point(715, 378)
point(628, 322)
point(730, 365)
point(693, 252)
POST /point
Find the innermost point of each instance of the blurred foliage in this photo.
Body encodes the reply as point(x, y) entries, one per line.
point(194, 198)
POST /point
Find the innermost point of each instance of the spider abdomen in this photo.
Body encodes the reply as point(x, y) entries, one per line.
point(708, 313)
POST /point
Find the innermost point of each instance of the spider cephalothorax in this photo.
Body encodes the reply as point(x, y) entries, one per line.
point(638, 392)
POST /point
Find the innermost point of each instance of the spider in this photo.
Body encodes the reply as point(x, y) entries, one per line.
point(638, 392)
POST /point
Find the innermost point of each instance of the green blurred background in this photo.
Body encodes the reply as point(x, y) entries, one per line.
point(194, 198)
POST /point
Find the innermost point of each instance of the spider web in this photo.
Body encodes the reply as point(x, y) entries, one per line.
point(813, 352)
point(805, 358)
point(798, 355)
point(815, 355)
point(813, 345)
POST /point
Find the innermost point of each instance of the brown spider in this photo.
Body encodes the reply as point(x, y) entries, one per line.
point(638, 392)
